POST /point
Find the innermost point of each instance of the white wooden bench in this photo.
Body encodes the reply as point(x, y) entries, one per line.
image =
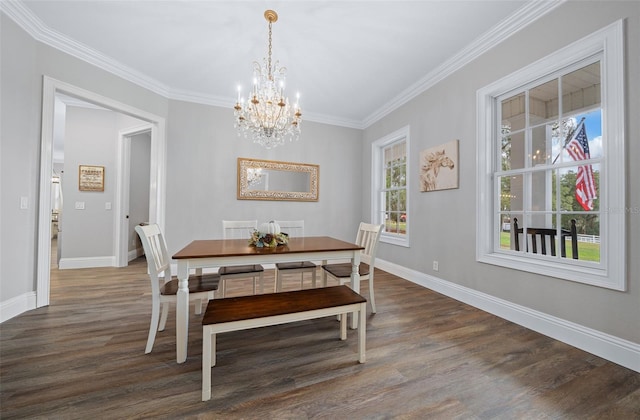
point(245, 312)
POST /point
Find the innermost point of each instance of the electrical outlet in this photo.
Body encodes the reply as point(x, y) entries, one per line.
point(435, 266)
point(79, 205)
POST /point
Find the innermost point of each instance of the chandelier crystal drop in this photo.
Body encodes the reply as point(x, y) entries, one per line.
point(266, 116)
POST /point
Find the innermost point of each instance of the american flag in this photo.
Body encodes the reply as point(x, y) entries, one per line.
point(578, 149)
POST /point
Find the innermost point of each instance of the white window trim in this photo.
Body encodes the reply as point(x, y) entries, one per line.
point(611, 271)
point(376, 179)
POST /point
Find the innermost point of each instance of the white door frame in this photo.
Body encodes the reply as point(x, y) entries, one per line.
point(123, 178)
point(157, 193)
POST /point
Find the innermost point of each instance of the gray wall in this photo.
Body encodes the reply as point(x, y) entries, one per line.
point(19, 166)
point(90, 139)
point(443, 223)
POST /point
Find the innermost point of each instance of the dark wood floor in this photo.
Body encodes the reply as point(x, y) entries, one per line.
point(428, 356)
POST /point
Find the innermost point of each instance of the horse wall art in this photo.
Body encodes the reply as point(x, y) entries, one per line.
point(439, 167)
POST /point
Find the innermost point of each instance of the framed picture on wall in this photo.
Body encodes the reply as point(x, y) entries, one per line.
point(91, 178)
point(439, 167)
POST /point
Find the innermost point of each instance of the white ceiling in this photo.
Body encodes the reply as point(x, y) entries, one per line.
point(351, 61)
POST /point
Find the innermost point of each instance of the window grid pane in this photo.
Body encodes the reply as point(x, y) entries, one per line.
point(540, 144)
point(394, 190)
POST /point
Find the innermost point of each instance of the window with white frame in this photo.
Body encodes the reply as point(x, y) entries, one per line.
point(550, 157)
point(390, 201)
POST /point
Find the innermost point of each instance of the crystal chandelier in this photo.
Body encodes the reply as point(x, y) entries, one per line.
point(267, 117)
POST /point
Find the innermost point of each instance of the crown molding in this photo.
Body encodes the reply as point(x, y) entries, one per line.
point(514, 23)
point(198, 98)
point(332, 120)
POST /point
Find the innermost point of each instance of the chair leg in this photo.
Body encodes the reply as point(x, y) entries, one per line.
point(371, 296)
point(165, 314)
point(258, 279)
point(278, 282)
point(261, 277)
point(313, 278)
point(198, 306)
point(153, 327)
point(341, 282)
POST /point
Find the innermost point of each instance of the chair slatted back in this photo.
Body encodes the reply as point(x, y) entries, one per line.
point(543, 240)
point(155, 251)
point(238, 229)
point(293, 228)
point(368, 237)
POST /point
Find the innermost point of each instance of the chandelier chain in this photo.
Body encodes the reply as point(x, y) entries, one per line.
point(270, 75)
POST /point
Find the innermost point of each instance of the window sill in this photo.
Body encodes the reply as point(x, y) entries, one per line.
point(595, 276)
point(394, 240)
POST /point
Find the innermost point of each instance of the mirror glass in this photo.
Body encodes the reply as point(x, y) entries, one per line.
point(274, 180)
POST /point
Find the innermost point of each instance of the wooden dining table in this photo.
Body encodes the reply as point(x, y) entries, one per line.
point(205, 254)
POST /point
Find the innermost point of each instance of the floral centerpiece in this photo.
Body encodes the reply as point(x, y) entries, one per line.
point(268, 240)
point(269, 236)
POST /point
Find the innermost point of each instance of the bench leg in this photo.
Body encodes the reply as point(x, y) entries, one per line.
point(207, 338)
point(343, 326)
point(362, 332)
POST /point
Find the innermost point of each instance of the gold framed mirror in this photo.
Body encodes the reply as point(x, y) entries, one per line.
point(277, 181)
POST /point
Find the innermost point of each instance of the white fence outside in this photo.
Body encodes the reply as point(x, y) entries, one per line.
point(592, 239)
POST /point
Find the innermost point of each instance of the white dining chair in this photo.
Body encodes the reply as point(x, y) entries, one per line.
point(164, 286)
point(240, 229)
point(294, 228)
point(368, 237)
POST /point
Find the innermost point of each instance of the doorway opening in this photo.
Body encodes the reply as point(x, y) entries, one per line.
point(157, 162)
point(132, 187)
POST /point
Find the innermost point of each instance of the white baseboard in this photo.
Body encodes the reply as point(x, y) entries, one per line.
point(17, 305)
point(135, 253)
point(612, 348)
point(87, 262)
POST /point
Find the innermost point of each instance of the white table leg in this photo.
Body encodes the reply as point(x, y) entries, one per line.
point(355, 284)
point(182, 311)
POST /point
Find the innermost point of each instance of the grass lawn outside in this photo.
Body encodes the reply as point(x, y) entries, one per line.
point(586, 251)
point(393, 227)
